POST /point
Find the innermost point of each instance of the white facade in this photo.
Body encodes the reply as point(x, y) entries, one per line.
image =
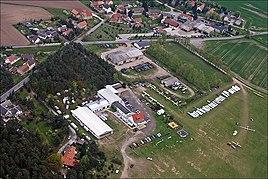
point(108, 95)
point(98, 105)
point(93, 123)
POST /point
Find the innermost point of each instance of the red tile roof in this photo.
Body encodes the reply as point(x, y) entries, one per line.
point(138, 117)
point(138, 20)
point(23, 69)
point(171, 22)
point(82, 24)
point(193, 3)
point(11, 58)
point(68, 157)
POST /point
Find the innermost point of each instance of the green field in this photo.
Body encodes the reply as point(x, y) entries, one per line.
point(178, 60)
point(254, 12)
point(207, 155)
point(106, 32)
point(245, 57)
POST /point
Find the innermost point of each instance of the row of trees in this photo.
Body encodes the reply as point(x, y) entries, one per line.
point(71, 64)
point(186, 70)
point(6, 81)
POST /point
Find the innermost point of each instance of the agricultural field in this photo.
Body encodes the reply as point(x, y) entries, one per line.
point(204, 152)
point(245, 57)
point(254, 12)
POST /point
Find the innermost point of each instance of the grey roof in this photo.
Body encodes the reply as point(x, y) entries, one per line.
point(142, 43)
point(219, 27)
point(170, 80)
point(121, 107)
point(124, 54)
point(3, 111)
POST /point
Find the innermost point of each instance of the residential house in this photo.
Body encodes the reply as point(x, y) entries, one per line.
point(116, 18)
point(68, 157)
point(107, 9)
point(109, 2)
point(82, 25)
point(141, 44)
point(120, 8)
point(168, 15)
point(138, 20)
point(97, 5)
point(186, 17)
point(34, 39)
point(13, 70)
point(219, 27)
point(170, 22)
point(26, 67)
point(201, 8)
point(67, 32)
point(138, 118)
point(12, 59)
point(8, 109)
point(154, 14)
point(26, 57)
point(138, 11)
point(87, 15)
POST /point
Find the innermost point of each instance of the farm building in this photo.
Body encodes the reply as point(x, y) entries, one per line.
point(169, 81)
point(92, 122)
point(170, 22)
point(141, 44)
point(124, 56)
point(98, 105)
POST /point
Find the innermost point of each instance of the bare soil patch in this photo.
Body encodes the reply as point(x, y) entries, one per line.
point(70, 4)
point(12, 14)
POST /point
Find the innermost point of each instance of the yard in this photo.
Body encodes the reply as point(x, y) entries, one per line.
point(106, 32)
point(254, 12)
point(207, 153)
point(245, 57)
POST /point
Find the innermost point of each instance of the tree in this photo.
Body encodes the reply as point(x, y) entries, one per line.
point(54, 162)
point(145, 6)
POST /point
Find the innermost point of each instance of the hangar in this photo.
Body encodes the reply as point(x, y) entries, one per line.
point(125, 55)
point(92, 122)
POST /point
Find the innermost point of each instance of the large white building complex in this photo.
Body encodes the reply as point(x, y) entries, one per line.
point(91, 122)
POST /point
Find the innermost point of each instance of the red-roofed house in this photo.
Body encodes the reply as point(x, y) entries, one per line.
point(193, 3)
point(109, 2)
point(171, 22)
point(67, 32)
point(200, 8)
point(212, 10)
point(138, 118)
point(87, 15)
point(82, 25)
point(186, 16)
point(12, 59)
point(26, 67)
point(74, 12)
point(68, 157)
point(138, 20)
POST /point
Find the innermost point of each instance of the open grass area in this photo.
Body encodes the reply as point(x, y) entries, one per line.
point(34, 50)
point(245, 57)
point(57, 12)
point(106, 32)
point(207, 154)
point(254, 12)
point(262, 39)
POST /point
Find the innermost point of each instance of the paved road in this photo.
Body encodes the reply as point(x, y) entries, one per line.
point(70, 141)
point(14, 88)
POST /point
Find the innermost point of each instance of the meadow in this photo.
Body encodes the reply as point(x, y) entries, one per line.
point(245, 57)
point(254, 12)
point(204, 152)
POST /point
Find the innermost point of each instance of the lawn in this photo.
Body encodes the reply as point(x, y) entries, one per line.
point(99, 48)
point(35, 50)
point(207, 155)
point(253, 12)
point(57, 12)
point(245, 57)
point(262, 39)
point(106, 32)
point(178, 56)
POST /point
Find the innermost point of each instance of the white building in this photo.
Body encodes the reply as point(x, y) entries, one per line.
point(92, 122)
point(98, 105)
point(109, 95)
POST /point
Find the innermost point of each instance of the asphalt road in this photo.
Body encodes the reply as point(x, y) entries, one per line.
point(70, 141)
point(14, 88)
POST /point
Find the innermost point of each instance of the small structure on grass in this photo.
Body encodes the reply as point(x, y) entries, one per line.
point(182, 133)
point(173, 125)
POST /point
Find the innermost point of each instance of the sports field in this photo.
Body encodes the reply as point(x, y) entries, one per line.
point(245, 57)
point(207, 154)
point(254, 12)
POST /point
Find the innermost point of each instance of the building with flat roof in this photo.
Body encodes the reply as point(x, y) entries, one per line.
point(125, 55)
point(98, 105)
point(169, 81)
point(109, 95)
point(92, 122)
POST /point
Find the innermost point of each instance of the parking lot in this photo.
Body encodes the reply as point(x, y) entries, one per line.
point(134, 105)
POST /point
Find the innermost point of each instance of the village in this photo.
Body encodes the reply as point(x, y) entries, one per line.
point(164, 95)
